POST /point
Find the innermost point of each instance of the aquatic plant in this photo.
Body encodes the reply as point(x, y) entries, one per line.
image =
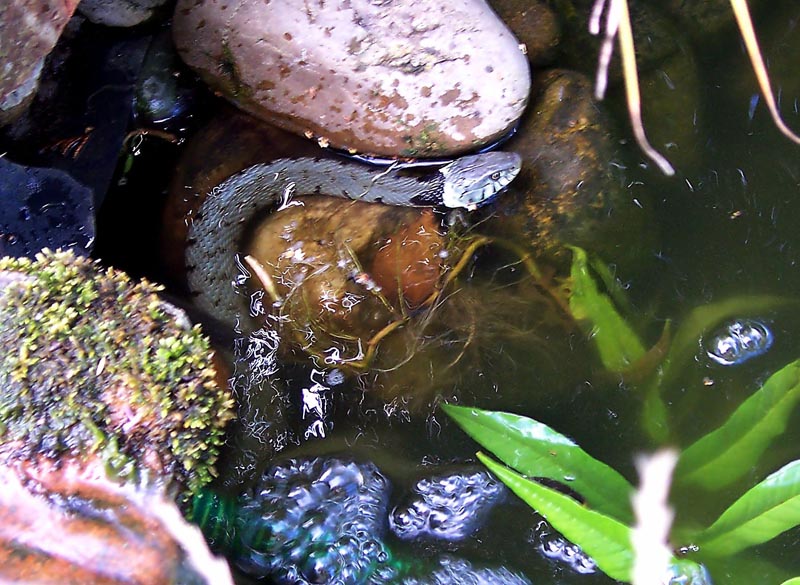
point(601, 523)
point(93, 364)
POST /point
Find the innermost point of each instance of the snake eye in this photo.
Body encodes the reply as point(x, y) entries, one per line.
point(496, 176)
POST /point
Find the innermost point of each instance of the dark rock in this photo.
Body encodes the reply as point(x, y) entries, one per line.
point(43, 208)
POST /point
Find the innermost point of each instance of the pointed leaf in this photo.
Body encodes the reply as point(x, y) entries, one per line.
point(616, 342)
point(763, 512)
point(536, 450)
point(724, 455)
point(603, 538)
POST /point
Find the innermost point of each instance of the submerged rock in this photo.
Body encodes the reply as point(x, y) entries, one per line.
point(710, 17)
point(43, 208)
point(391, 78)
point(566, 191)
point(551, 545)
point(92, 363)
point(342, 271)
point(455, 571)
point(738, 342)
point(535, 24)
point(315, 521)
point(165, 93)
point(324, 520)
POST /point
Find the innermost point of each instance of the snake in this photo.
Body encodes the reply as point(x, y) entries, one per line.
point(217, 231)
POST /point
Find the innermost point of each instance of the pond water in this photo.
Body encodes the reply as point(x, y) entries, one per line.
point(726, 227)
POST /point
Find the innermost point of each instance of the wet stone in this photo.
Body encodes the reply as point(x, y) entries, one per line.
point(43, 208)
point(447, 507)
point(565, 192)
point(165, 95)
point(123, 13)
point(30, 29)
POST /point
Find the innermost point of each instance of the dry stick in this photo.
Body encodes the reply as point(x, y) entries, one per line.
point(607, 48)
point(742, 14)
point(618, 23)
point(264, 278)
point(632, 89)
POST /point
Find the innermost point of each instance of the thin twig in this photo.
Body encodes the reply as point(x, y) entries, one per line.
point(631, 76)
point(742, 14)
point(618, 23)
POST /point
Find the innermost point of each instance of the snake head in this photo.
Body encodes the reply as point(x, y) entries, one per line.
point(472, 181)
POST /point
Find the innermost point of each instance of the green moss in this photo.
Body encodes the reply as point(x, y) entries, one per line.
point(91, 362)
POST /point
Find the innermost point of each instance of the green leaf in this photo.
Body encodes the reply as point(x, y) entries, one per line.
point(724, 455)
point(792, 581)
point(619, 347)
point(655, 419)
point(536, 450)
point(603, 538)
point(763, 512)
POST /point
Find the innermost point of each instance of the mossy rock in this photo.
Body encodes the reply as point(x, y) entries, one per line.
point(92, 363)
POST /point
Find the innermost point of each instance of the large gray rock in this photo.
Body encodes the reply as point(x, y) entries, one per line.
point(390, 77)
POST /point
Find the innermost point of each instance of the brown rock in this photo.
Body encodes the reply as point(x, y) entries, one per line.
point(535, 25)
point(566, 194)
point(319, 254)
point(29, 30)
point(69, 524)
point(409, 264)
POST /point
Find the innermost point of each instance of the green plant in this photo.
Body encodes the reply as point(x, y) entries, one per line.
point(714, 464)
point(92, 363)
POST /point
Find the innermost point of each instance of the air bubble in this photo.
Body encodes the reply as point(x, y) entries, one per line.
point(739, 341)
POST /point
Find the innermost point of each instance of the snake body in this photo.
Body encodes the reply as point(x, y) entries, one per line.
point(216, 233)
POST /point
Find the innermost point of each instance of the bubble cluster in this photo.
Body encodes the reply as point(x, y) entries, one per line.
point(315, 521)
point(448, 507)
point(738, 342)
point(556, 548)
point(323, 520)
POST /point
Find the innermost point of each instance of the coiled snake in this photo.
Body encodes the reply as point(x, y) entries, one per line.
point(215, 235)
